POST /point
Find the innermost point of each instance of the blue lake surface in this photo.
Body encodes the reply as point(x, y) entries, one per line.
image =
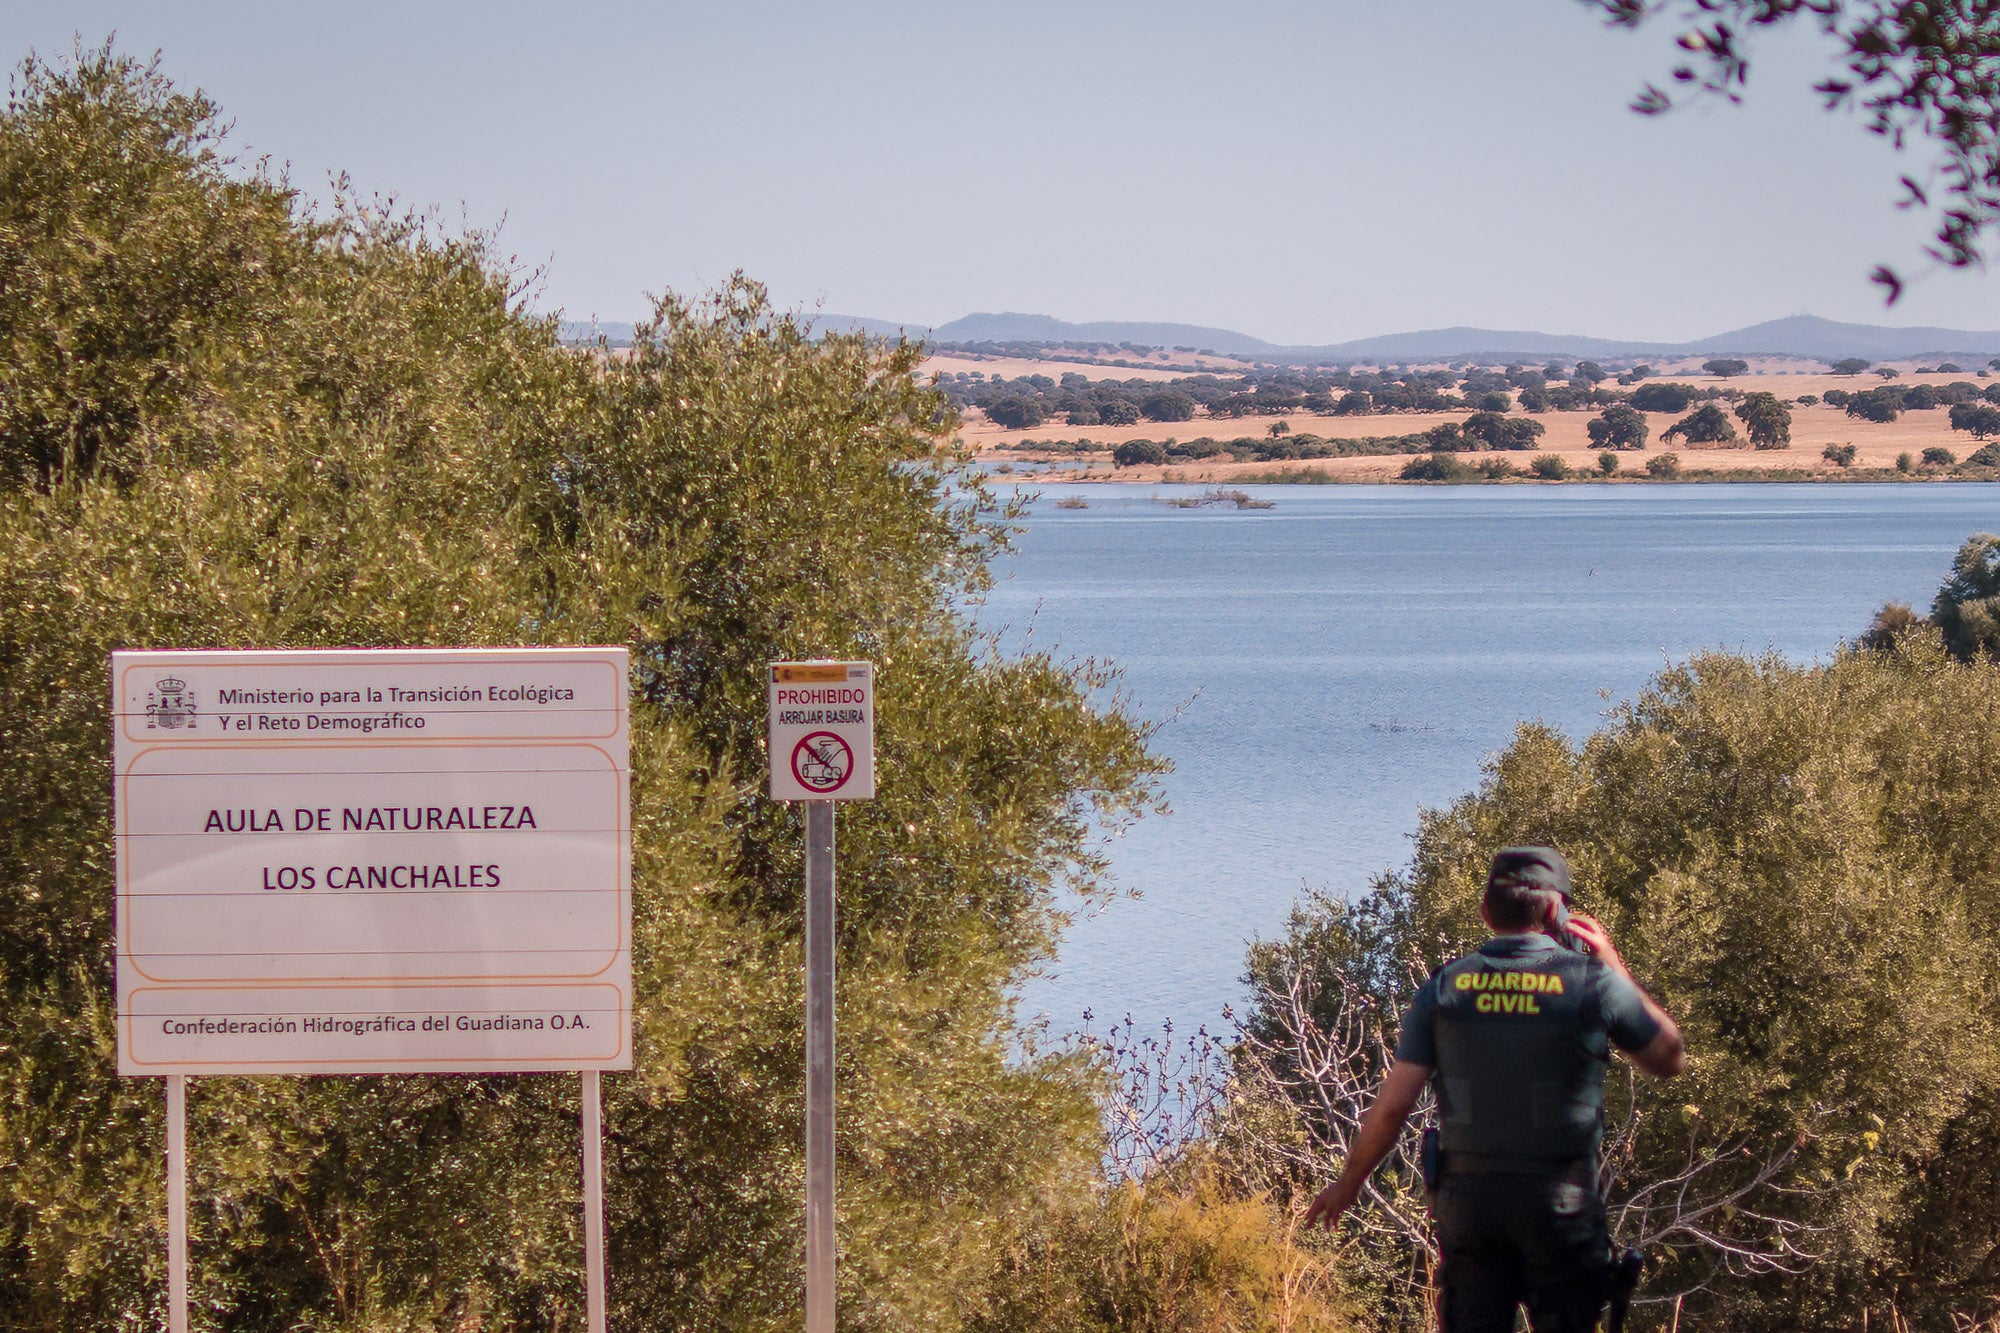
point(1325, 668)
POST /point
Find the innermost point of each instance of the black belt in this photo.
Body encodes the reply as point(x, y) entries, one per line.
point(1579, 1170)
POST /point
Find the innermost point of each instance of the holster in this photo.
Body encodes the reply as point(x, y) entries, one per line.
point(1620, 1281)
point(1430, 1157)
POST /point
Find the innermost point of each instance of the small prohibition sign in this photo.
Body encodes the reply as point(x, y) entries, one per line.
point(822, 762)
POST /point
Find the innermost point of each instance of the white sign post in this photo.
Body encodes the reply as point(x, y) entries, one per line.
point(822, 747)
point(372, 861)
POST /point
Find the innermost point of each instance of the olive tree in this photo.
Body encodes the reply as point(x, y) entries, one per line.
point(227, 421)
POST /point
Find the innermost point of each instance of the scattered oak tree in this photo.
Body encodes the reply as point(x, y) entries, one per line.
point(1167, 405)
point(1617, 427)
point(1978, 419)
point(1662, 397)
point(1015, 413)
point(1879, 405)
point(1707, 424)
point(1139, 453)
point(1766, 420)
point(1498, 432)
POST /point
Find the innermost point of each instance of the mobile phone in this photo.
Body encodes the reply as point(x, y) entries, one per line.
point(1559, 920)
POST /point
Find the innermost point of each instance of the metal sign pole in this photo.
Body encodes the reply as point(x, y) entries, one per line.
point(819, 1066)
point(177, 1204)
point(593, 1204)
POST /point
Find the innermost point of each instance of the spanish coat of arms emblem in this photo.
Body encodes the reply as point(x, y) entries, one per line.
point(170, 705)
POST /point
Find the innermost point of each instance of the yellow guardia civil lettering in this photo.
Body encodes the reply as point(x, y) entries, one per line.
point(1491, 1003)
point(1539, 983)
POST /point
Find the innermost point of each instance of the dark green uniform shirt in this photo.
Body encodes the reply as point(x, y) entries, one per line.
point(1517, 1035)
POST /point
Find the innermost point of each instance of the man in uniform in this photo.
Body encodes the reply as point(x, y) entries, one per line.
point(1517, 1036)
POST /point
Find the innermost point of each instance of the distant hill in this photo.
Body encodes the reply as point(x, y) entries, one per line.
point(1481, 344)
point(881, 328)
point(1805, 336)
point(1006, 328)
point(1809, 335)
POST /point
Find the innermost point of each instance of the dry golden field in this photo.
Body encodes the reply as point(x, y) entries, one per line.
point(1813, 428)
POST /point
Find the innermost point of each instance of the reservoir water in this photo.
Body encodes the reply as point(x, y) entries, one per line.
point(1324, 668)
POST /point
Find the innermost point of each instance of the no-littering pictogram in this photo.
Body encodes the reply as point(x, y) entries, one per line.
point(822, 731)
point(822, 762)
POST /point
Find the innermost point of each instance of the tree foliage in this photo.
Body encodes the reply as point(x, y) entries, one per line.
point(1979, 419)
point(1966, 609)
point(1707, 424)
point(1802, 862)
point(1662, 397)
point(1501, 432)
point(1618, 427)
point(225, 421)
point(1438, 467)
point(1167, 405)
point(1878, 405)
point(1015, 413)
point(1919, 71)
point(1139, 453)
point(1766, 420)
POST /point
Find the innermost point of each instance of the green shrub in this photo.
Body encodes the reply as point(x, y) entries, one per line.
point(1804, 864)
point(1183, 1251)
point(1437, 467)
point(225, 422)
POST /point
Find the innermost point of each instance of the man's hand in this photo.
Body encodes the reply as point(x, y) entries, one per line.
point(1329, 1205)
point(1592, 932)
point(1666, 1056)
point(1372, 1142)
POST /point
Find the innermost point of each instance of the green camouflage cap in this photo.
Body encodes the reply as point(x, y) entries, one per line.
point(1530, 868)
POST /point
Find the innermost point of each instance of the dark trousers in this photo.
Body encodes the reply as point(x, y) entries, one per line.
point(1511, 1239)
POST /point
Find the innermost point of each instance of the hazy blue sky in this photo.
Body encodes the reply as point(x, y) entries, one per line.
point(1305, 172)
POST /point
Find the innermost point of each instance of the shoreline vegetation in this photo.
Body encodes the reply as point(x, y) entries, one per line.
point(1777, 419)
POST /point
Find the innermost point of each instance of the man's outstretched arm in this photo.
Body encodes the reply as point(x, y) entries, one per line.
point(1380, 1127)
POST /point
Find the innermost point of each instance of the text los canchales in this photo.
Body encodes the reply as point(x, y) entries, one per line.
point(377, 819)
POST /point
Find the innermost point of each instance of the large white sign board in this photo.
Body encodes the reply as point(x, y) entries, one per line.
point(822, 731)
point(372, 861)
